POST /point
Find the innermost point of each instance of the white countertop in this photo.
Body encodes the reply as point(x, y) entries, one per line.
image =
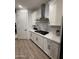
point(50, 36)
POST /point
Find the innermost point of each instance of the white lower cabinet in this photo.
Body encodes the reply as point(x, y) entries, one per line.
point(48, 46)
point(41, 42)
point(51, 48)
point(33, 37)
point(36, 40)
point(54, 49)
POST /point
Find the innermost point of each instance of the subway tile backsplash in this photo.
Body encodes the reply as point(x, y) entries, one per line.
point(42, 26)
point(47, 27)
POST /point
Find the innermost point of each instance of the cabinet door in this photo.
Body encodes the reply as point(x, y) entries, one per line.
point(51, 48)
point(54, 50)
point(33, 37)
point(55, 12)
point(59, 12)
point(52, 12)
point(41, 42)
point(46, 47)
point(36, 40)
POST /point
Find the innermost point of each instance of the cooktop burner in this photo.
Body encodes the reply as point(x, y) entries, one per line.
point(42, 32)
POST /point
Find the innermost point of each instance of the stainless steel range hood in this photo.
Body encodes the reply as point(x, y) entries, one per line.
point(42, 11)
point(43, 18)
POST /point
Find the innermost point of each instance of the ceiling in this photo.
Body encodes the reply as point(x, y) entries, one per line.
point(29, 4)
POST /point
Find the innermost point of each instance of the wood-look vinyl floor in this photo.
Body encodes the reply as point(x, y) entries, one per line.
point(26, 49)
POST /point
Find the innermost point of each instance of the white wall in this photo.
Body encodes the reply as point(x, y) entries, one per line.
point(22, 24)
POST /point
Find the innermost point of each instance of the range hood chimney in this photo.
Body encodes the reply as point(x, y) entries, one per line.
point(43, 11)
point(43, 18)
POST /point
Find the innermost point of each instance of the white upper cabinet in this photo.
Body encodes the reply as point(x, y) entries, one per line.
point(34, 17)
point(55, 12)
